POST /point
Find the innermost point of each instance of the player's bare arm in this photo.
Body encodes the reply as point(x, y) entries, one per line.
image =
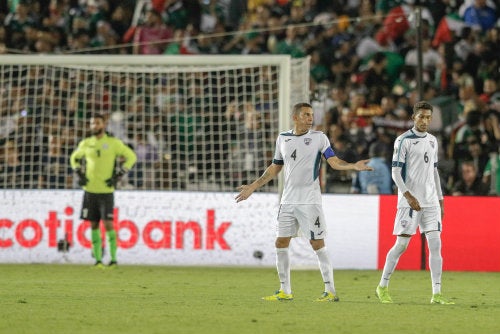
point(339, 164)
point(268, 175)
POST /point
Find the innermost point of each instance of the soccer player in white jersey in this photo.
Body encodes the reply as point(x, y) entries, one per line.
point(420, 200)
point(299, 150)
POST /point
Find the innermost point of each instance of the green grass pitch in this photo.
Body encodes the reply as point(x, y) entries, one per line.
point(155, 299)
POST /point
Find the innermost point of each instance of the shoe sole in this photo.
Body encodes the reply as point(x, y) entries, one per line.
point(277, 299)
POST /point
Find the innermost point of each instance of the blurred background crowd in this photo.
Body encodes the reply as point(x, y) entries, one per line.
point(363, 62)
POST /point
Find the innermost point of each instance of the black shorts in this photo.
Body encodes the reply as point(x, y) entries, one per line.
point(97, 206)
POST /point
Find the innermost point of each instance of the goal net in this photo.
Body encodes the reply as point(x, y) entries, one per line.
point(198, 123)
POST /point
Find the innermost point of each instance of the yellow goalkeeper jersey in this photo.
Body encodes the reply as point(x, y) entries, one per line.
point(100, 156)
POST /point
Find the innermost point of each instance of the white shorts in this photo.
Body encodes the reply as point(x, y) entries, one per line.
point(305, 220)
point(427, 219)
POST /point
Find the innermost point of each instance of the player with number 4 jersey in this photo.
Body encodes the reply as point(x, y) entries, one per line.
point(301, 157)
point(300, 151)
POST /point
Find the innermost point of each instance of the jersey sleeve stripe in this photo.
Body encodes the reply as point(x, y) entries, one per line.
point(317, 165)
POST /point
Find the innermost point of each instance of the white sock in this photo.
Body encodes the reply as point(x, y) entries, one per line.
point(392, 259)
point(435, 259)
point(283, 266)
point(325, 267)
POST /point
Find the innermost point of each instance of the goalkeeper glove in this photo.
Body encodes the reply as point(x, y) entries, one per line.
point(112, 181)
point(82, 179)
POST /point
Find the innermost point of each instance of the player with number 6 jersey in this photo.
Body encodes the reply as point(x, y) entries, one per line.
point(300, 150)
point(420, 200)
point(417, 155)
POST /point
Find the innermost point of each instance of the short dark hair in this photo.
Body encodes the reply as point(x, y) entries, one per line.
point(377, 149)
point(99, 115)
point(422, 105)
point(298, 107)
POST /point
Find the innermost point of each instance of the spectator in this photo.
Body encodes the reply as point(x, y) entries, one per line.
point(338, 103)
point(376, 78)
point(252, 44)
point(491, 174)
point(290, 45)
point(466, 43)
point(16, 23)
point(142, 176)
point(14, 174)
point(250, 140)
point(480, 14)
point(319, 71)
point(211, 14)
point(471, 128)
point(384, 6)
point(181, 14)
point(340, 181)
point(104, 37)
point(467, 96)
point(55, 171)
point(491, 136)
point(79, 41)
point(379, 181)
point(477, 154)
point(152, 37)
point(120, 19)
point(236, 10)
point(470, 184)
point(431, 59)
point(491, 94)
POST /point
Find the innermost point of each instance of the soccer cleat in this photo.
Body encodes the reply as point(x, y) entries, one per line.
point(328, 297)
point(99, 265)
point(439, 299)
point(279, 295)
point(383, 295)
point(113, 264)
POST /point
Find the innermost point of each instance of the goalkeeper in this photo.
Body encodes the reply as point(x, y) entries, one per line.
point(99, 154)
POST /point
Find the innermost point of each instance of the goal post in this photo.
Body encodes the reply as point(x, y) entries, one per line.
point(198, 123)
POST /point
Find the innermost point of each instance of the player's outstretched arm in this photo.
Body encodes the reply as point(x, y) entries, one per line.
point(339, 164)
point(247, 190)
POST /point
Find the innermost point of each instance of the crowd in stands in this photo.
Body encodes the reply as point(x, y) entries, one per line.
point(363, 71)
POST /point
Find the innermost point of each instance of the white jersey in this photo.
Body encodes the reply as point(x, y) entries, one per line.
point(301, 156)
point(416, 154)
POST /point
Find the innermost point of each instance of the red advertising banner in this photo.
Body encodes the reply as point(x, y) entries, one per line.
point(471, 235)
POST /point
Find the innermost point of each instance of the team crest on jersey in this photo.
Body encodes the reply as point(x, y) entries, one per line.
point(404, 223)
point(307, 141)
point(105, 146)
